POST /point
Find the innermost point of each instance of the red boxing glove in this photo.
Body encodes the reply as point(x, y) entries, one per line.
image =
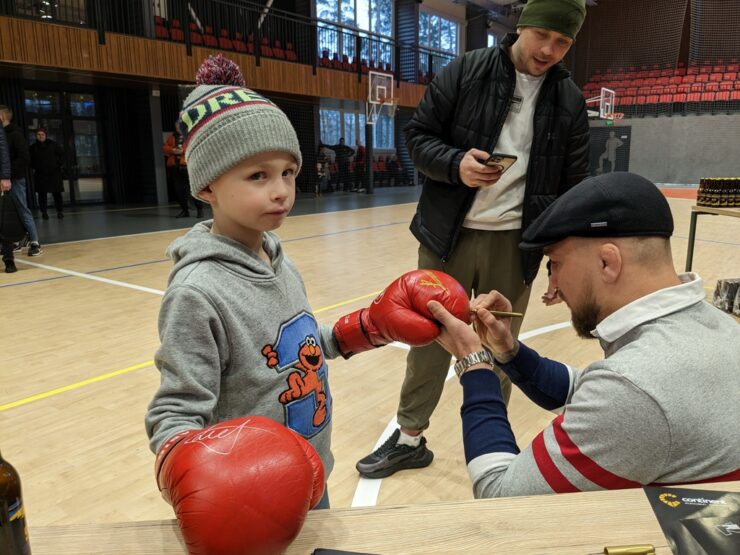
point(400, 313)
point(241, 486)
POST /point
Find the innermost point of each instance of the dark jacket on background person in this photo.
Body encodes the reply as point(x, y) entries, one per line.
point(4, 157)
point(465, 107)
point(47, 161)
point(20, 158)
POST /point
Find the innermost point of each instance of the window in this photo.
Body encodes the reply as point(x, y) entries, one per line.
point(375, 16)
point(351, 125)
point(438, 33)
point(331, 126)
point(492, 40)
point(70, 11)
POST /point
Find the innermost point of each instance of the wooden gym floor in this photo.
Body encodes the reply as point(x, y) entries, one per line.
point(79, 332)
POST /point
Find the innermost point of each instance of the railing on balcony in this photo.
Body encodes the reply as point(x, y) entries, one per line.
point(244, 27)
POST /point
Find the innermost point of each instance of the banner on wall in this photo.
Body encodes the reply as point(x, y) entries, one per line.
point(610, 149)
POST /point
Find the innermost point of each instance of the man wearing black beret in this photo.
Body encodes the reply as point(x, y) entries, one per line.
point(657, 409)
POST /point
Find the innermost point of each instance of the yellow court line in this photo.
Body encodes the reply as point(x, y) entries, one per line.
point(77, 385)
point(115, 373)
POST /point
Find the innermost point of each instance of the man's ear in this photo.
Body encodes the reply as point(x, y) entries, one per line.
point(611, 262)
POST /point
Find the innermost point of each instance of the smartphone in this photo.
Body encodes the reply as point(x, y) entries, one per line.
point(501, 161)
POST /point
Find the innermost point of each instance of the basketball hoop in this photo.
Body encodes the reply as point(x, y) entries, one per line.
point(614, 116)
point(380, 93)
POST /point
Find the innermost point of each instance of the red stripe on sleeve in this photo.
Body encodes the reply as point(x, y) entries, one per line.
point(550, 472)
point(586, 465)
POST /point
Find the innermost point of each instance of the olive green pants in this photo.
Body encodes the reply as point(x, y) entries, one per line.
point(481, 261)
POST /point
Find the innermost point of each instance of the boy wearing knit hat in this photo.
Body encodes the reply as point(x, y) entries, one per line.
point(514, 99)
point(238, 337)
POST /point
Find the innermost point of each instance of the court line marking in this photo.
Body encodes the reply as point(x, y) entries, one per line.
point(76, 385)
point(95, 379)
point(368, 489)
point(93, 278)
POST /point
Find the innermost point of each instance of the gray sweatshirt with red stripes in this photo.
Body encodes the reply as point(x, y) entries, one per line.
point(662, 407)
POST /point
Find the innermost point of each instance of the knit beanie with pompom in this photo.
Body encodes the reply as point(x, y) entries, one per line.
point(223, 123)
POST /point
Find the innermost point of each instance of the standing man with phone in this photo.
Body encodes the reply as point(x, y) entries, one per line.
point(516, 99)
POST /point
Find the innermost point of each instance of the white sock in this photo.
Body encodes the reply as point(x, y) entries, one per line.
point(406, 439)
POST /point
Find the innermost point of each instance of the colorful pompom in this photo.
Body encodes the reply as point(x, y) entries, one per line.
point(217, 70)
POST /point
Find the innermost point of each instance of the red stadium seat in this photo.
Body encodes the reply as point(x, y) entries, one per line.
point(708, 96)
point(729, 76)
point(176, 32)
point(735, 95)
point(209, 39)
point(714, 87)
point(715, 76)
point(196, 38)
point(250, 43)
point(722, 96)
point(277, 50)
point(265, 49)
point(238, 42)
point(224, 42)
point(160, 31)
point(702, 78)
point(290, 54)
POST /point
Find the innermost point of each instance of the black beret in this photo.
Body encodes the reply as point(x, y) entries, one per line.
point(618, 204)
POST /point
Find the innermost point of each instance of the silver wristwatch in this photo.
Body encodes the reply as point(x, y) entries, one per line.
point(473, 358)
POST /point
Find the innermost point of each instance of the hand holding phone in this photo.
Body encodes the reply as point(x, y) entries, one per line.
point(501, 162)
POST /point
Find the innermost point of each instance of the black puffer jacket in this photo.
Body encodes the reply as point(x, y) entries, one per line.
point(465, 107)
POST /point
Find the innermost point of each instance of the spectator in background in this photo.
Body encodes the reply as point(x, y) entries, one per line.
point(322, 172)
point(393, 170)
point(343, 153)
point(47, 161)
point(178, 170)
point(20, 159)
point(7, 246)
point(360, 170)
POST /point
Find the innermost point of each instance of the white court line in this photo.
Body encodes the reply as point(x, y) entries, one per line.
point(368, 489)
point(92, 277)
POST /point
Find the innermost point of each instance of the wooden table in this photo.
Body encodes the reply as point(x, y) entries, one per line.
point(577, 523)
point(695, 211)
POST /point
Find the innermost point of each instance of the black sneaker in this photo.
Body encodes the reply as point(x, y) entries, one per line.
point(34, 249)
point(390, 457)
point(10, 267)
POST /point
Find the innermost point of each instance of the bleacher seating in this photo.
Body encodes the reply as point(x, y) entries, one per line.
point(681, 89)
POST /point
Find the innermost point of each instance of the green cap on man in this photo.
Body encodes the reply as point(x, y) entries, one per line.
point(563, 16)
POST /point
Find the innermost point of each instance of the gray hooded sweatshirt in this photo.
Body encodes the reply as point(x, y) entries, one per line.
point(238, 338)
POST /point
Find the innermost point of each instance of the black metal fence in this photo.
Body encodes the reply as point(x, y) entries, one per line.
point(244, 27)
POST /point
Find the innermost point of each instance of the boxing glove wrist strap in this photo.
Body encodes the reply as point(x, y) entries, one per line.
point(350, 334)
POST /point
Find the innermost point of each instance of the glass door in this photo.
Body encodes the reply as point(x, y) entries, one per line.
point(71, 120)
point(88, 167)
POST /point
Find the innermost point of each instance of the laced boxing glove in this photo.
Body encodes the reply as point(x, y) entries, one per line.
point(400, 313)
point(241, 486)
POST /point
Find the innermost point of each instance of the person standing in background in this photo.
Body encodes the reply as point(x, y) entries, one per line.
point(47, 161)
point(7, 246)
point(20, 159)
point(178, 170)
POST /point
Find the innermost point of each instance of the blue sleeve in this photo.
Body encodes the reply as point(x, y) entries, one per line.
point(486, 427)
point(544, 381)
